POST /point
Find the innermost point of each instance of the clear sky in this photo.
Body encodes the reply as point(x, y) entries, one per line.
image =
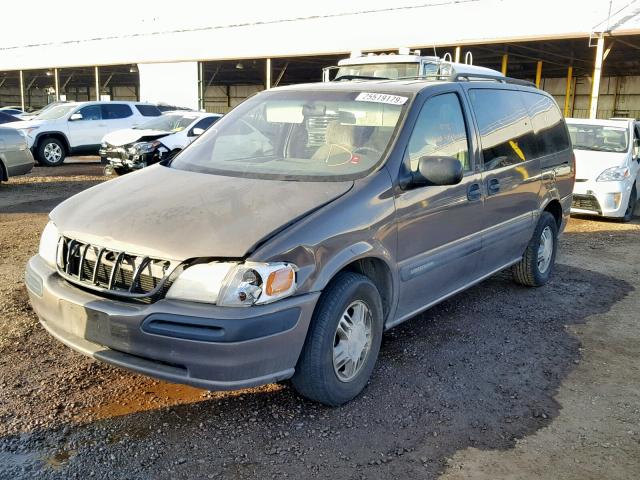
point(48, 21)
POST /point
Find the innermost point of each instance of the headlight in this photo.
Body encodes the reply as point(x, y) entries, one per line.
point(143, 147)
point(235, 285)
point(49, 244)
point(614, 174)
point(27, 131)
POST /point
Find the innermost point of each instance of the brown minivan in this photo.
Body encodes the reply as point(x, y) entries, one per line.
point(286, 239)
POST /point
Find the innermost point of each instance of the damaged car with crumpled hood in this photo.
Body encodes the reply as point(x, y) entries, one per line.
point(154, 141)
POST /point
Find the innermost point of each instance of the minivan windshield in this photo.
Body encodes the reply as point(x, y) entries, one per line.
point(599, 138)
point(170, 122)
point(299, 135)
point(53, 113)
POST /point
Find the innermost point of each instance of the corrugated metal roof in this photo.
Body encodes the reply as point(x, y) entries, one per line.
point(297, 28)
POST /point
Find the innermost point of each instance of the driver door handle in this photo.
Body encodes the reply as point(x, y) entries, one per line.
point(474, 193)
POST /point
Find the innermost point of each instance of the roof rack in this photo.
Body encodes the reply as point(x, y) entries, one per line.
point(483, 76)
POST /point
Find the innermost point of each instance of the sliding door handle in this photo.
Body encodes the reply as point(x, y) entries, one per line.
point(474, 193)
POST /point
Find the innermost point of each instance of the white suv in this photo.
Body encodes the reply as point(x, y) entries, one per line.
point(78, 127)
point(607, 165)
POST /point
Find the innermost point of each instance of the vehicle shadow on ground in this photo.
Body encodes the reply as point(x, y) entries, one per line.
point(479, 370)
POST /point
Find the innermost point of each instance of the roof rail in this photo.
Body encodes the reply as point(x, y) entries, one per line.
point(498, 78)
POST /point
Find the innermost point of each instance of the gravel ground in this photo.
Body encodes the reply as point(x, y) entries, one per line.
point(498, 382)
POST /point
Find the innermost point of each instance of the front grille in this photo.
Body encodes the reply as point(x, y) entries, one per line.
point(586, 202)
point(113, 272)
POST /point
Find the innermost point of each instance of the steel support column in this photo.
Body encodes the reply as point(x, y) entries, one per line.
point(56, 83)
point(22, 90)
point(505, 61)
point(567, 95)
point(96, 72)
point(267, 82)
point(201, 85)
point(457, 55)
point(538, 73)
point(597, 73)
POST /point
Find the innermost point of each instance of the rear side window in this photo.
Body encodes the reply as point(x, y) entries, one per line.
point(549, 128)
point(439, 131)
point(113, 111)
point(506, 134)
point(148, 110)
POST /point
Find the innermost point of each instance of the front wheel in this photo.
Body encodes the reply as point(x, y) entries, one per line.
point(631, 206)
point(539, 258)
point(343, 341)
point(51, 152)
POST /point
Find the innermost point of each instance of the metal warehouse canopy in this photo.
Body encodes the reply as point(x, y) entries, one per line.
point(314, 30)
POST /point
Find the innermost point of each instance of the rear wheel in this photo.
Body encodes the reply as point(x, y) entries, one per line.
point(343, 341)
point(51, 152)
point(631, 206)
point(539, 258)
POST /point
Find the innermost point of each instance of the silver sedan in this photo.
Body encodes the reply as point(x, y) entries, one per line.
point(15, 156)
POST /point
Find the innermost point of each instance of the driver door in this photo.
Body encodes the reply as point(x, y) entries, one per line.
point(88, 130)
point(439, 227)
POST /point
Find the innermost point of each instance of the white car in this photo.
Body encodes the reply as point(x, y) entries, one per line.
point(153, 141)
point(607, 165)
point(78, 127)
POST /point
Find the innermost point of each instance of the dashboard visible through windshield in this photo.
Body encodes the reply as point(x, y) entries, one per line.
point(299, 135)
point(599, 138)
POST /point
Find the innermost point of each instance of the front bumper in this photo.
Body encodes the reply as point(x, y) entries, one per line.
point(606, 199)
point(216, 348)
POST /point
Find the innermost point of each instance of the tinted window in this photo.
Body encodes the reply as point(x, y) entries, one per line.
point(439, 131)
point(148, 110)
point(90, 112)
point(548, 125)
point(206, 122)
point(113, 111)
point(505, 128)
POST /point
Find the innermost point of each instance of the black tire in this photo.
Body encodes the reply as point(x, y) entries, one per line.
point(119, 171)
point(631, 206)
point(45, 155)
point(315, 377)
point(527, 271)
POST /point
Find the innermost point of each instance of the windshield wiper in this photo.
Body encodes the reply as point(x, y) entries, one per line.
point(358, 77)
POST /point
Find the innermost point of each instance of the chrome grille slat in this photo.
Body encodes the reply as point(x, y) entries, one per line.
point(112, 272)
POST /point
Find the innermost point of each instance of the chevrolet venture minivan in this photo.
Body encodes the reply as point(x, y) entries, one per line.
point(359, 205)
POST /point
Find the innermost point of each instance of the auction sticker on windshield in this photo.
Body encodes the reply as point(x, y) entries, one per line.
point(381, 98)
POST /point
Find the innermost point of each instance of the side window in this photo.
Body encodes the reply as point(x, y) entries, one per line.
point(548, 125)
point(91, 112)
point(205, 123)
point(505, 128)
point(439, 131)
point(148, 110)
point(114, 111)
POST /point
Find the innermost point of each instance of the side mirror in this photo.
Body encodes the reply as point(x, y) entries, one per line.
point(75, 116)
point(438, 171)
point(197, 132)
point(636, 149)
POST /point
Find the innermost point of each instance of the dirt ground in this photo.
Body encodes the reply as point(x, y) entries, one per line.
point(500, 381)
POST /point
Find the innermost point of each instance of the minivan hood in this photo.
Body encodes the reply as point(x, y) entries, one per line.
point(174, 214)
point(130, 135)
point(590, 164)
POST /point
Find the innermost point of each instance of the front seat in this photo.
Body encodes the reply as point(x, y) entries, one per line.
point(338, 143)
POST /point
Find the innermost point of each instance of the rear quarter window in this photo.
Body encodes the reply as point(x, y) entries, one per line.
point(548, 124)
point(148, 110)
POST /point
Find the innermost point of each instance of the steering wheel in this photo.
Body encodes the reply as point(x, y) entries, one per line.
point(364, 150)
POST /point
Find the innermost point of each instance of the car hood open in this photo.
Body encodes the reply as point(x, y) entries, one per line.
point(174, 214)
point(126, 136)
